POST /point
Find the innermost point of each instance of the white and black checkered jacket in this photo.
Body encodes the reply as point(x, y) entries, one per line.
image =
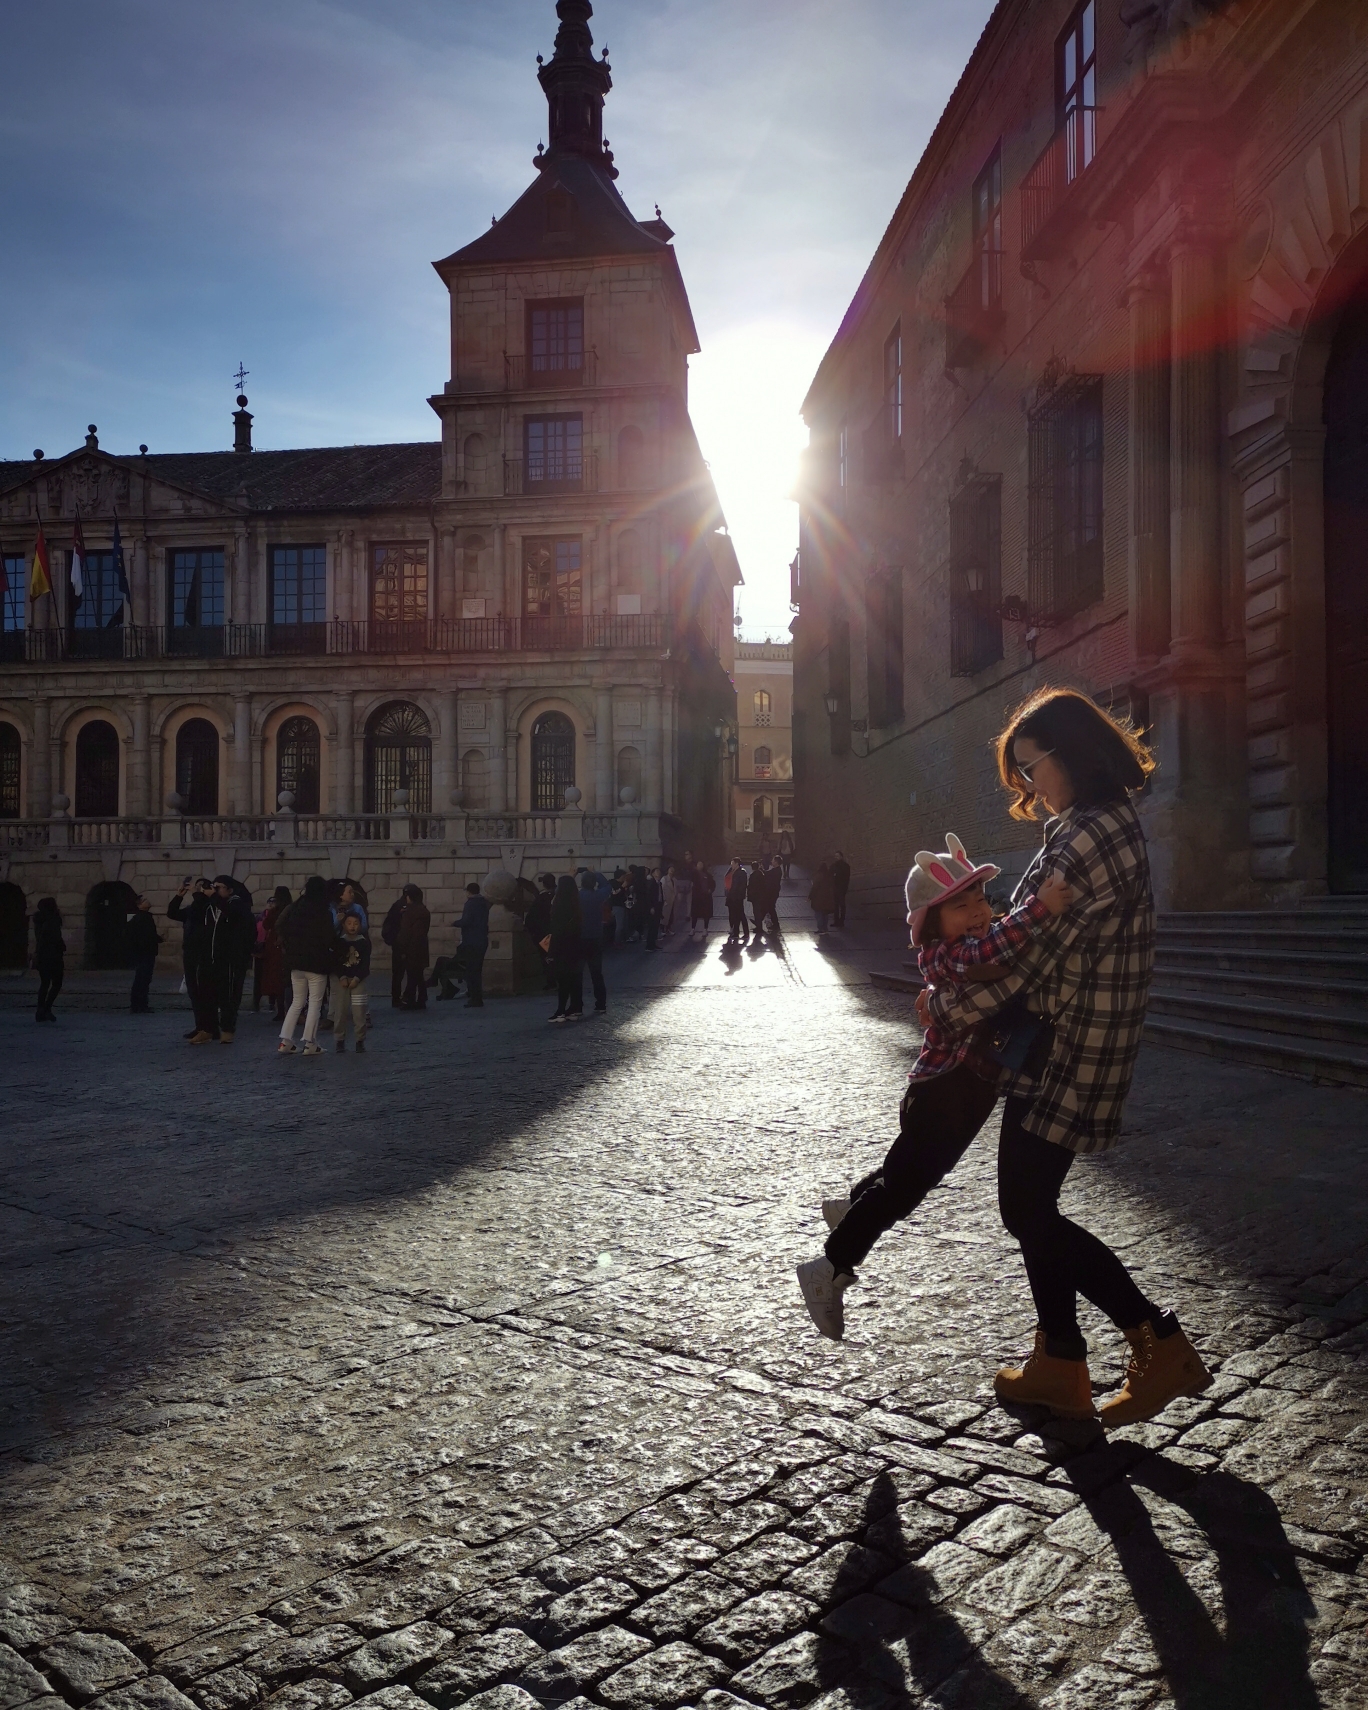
point(1089, 971)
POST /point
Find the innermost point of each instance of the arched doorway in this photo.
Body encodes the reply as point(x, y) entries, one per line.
point(13, 927)
point(398, 756)
point(9, 772)
point(197, 766)
point(553, 761)
point(1346, 594)
point(96, 795)
point(297, 763)
point(108, 907)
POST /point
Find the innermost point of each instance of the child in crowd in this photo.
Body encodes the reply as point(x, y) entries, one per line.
point(354, 960)
point(947, 1101)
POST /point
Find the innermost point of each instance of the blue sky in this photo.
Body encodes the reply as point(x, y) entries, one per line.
point(187, 185)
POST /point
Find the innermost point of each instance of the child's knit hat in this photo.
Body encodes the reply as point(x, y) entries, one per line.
point(935, 878)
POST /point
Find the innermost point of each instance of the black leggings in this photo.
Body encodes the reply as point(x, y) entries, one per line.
point(1062, 1260)
point(49, 984)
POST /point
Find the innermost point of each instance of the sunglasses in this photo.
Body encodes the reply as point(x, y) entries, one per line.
point(1027, 767)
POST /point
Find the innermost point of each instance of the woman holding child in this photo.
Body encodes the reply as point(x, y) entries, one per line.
point(1046, 1007)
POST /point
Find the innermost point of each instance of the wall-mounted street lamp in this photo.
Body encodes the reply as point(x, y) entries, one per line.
point(833, 704)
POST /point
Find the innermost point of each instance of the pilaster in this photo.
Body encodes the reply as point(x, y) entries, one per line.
point(1150, 593)
point(138, 795)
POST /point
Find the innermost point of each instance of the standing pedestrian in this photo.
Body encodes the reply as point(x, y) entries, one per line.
point(271, 962)
point(222, 932)
point(773, 881)
point(618, 899)
point(191, 922)
point(566, 933)
point(537, 922)
point(49, 956)
point(415, 922)
point(474, 926)
point(701, 905)
point(353, 965)
point(734, 885)
point(758, 893)
point(389, 934)
point(822, 898)
point(654, 904)
point(684, 895)
point(840, 880)
point(594, 894)
point(143, 939)
point(668, 894)
point(785, 851)
point(311, 955)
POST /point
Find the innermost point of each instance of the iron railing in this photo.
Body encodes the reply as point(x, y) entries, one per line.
point(531, 478)
point(522, 374)
point(973, 310)
point(1067, 155)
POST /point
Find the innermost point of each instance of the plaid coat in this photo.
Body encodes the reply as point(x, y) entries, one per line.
point(1088, 970)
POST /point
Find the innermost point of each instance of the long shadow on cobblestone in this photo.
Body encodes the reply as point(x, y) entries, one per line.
point(1261, 1657)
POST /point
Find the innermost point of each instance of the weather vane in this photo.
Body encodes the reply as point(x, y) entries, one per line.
point(241, 375)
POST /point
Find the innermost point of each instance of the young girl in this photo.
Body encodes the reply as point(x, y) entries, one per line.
point(946, 1102)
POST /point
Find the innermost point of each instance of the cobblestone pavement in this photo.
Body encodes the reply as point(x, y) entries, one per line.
point(473, 1371)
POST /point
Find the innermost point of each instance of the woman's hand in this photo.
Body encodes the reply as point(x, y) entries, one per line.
point(1054, 894)
point(924, 1008)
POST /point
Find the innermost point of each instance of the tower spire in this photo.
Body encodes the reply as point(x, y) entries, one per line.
point(576, 86)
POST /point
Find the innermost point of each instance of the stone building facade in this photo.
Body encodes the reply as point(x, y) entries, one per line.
point(762, 792)
point(1098, 415)
point(507, 647)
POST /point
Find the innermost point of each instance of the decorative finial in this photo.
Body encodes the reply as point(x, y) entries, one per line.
point(38, 454)
point(659, 215)
point(540, 60)
point(92, 442)
point(240, 378)
point(242, 400)
point(143, 450)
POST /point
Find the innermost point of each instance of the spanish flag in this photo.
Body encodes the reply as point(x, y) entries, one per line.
point(40, 580)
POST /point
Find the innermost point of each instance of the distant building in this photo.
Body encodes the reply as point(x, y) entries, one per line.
point(762, 793)
point(509, 646)
point(1098, 415)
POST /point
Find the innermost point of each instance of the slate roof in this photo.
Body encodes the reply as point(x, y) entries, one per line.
point(326, 478)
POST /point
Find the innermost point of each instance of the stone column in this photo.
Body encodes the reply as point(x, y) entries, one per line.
point(446, 760)
point(240, 774)
point(1195, 440)
point(259, 579)
point(654, 770)
point(344, 755)
point(157, 787)
point(41, 788)
point(498, 748)
point(57, 772)
point(138, 797)
point(1148, 445)
point(604, 770)
point(140, 583)
point(242, 578)
point(448, 605)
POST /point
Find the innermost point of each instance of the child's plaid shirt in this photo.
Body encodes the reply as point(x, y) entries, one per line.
point(945, 964)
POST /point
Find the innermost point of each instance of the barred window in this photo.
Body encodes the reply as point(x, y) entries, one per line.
point(1065, 500)
point(884, 646)
point(975, 575)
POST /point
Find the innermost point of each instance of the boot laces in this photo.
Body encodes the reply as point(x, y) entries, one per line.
point(1142, 1352)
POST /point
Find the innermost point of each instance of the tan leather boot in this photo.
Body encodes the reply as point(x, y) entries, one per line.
point(1161, 1369)
point(1047, 1381)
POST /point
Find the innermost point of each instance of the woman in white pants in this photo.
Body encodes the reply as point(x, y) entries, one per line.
point(310, 942)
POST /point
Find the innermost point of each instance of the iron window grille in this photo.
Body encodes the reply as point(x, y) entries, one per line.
point(398, 756)
point(976, 576)
point(197, 766)
point(9, 772)
point(1064, 552)
point(893, 386)
point(553, 761)
point(97, 771)
point(297, 763)
point(884, 646)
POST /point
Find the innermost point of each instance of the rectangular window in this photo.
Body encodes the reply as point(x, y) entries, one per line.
point(1064, 562)
point(196, 589)
point(988, 233)
point(399, 583)
point(552, 585)
point(893, 386)
point(101, 603)
point(555, 338)
point(884, 646)
point(299, 585)
point(553, 450)
point(16, 587)
point(1076, 86)
point(976, 576)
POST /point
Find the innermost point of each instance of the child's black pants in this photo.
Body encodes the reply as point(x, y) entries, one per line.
point(939, 1118)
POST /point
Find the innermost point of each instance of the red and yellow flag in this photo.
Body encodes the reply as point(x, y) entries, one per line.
point(40, 579)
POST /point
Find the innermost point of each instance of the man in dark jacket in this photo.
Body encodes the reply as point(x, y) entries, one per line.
point(181, 909)
point(840, 883)
point(734, 884)
point(595, 900)
point(474, 925)
point(411, 944)
point(389, 933)
point(537, 920)
point(143, 939)
point(223, 932)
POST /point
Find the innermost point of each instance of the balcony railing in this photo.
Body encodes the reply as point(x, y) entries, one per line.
point(535, 374)
point(973, 310)
point(129, 643)
point(530, 478)
point(1068, 154)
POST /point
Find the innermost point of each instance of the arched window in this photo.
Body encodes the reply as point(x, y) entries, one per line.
point(96, 794)
point(297, 763)
point(553, 761)
point(475, 780)
point(629, 772)
point(762, 706)
point(474, 463)
point(631, 457)
point(764, 761)
point(9, 772)
point(197, 766)
point(398, 756)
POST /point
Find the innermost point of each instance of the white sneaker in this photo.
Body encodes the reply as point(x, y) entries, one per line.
point(285, 1048)
point(312, 1050)
point(822, 1291)
point(834, 1210)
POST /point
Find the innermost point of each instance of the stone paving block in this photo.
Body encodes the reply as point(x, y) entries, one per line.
point(19, 1680)
point(839, 1573)
point(514, 1698)
point(1044, 1498)
point(603, 1555)
point(654, 1569)
point(942, 1573)
point(485, 1661)
point(152, 1692)
point(763, 1563)
point(663, 1679)
point(584, 1662)
point(685, 1606)
point(794, 1672)
point(520, 1601)
point(228, 1689)
point(1022, 1582)
point(1001, 1530)
point(219, 1649)
point(954, 1499)
point(1028, 1652)
point(393, 1698)
point(386, 1658)
point(1133, 1649)
point(911, 1528)
point(306, 1653)
point(1096, 1685)
point(88, 1664)
point(590, 1605)
point(29, 1616)
point(755, 1625)
point(1097, 1601)
point(310, 1695)
point(995, 1457)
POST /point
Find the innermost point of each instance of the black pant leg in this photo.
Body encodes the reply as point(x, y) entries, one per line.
point(206, 1001)
point(1062, 1260)
point(143, 970)
point(593, 961)
point(396, 978)
point(939, 1118)
point(474, 971)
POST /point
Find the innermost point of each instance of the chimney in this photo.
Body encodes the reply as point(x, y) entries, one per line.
point(242, 425)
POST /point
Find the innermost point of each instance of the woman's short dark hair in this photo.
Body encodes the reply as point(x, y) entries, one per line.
point(316, 888)
point(1104, 756)
point(48, 905)
point(281, 896)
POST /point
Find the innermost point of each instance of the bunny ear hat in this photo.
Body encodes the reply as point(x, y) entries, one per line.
point(936, 877)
